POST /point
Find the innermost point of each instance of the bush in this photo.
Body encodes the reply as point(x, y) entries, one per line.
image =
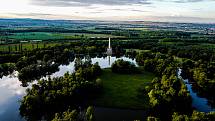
point(124, 67)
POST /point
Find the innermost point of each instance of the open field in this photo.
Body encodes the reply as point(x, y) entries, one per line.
point(26, 46)
point(33, 36)
point(121, 90)
point(53, 36)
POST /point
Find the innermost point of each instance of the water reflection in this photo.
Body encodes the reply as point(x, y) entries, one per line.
point(11, 91)
point(12, 83)
point(104, 62)
point(199, 103)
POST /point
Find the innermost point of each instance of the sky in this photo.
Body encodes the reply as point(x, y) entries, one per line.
point(202, 11)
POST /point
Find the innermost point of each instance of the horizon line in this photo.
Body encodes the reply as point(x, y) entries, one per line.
point(104, 20)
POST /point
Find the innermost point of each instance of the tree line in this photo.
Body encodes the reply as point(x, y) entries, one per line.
point(167, 93)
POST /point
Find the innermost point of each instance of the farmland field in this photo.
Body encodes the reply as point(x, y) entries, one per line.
point(53, 36)
point(26, 46)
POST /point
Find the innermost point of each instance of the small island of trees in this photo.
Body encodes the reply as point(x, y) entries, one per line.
point(123, 67)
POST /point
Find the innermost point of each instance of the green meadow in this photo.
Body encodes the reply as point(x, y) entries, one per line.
point(121, 90)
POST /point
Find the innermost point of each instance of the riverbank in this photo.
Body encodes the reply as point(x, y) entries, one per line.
point(199, 103)
point(121, 90)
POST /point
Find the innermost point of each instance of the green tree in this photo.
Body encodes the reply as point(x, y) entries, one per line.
point(66, 116)
point(90, 114)
point(151, 118)
point(177, 117)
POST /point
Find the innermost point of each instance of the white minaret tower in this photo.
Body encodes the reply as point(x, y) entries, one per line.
point(109, 49)
point(109, 43)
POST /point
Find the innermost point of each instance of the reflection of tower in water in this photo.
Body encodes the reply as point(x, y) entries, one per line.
point(109, 51)
point(109, 60)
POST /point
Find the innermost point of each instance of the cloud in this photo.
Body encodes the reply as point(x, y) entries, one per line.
point(187, 1)
point(75, 3)
point(127, 9)
point(135, 10)
point(45, 16)
point(31, 14)
point(12, 84)
point(69, 3)
point(180, 19)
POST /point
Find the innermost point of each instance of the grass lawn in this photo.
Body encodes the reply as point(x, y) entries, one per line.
point(121, 90)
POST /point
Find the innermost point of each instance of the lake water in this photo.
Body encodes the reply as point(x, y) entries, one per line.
point(11, 92)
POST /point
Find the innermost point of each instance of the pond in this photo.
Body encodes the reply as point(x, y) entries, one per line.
point(199, 103)
point(11, 91)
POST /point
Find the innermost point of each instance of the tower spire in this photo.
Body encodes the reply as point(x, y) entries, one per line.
point(109, 49)
point(109, 43)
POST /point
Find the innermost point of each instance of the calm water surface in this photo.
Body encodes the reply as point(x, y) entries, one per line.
point(199, 103)
point(11, 92)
